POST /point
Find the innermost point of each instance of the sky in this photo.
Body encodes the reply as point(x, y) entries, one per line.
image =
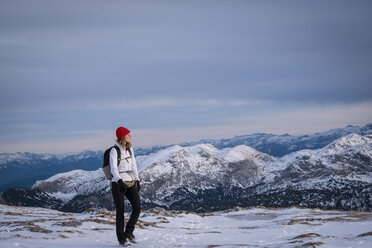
point(71, 72)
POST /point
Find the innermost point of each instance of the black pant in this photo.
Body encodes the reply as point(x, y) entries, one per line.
point(134, 199)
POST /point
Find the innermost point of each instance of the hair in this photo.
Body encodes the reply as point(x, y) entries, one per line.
point(124, 143)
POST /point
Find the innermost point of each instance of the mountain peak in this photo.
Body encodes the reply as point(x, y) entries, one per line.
point(238, 153)
point(346, 142)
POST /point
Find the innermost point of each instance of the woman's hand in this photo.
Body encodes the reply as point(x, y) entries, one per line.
point(138, 185)
point(122, 186)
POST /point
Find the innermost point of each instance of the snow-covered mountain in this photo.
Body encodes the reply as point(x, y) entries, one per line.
point(203, 178)
point(22, 170)
point(200, 177)
point(280, 145)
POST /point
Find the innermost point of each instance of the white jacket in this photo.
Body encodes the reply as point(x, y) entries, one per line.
point(127, 170)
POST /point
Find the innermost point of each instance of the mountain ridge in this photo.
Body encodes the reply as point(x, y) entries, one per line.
point(204, 178)
point(42, 166)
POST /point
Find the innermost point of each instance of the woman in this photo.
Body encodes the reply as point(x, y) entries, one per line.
point(125, 182)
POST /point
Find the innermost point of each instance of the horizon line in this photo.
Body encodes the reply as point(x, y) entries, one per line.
point(194, 141)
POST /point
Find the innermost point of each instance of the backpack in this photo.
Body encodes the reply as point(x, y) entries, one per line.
point(106, 161)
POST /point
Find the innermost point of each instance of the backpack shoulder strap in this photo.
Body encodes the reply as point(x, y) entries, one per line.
point(118, 152)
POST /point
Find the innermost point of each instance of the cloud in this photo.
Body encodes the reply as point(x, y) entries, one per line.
point(71, 66)
point(69, 52)
point(173, 103)
point(135, 104)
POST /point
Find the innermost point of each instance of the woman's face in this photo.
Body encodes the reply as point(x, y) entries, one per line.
point(128, 137)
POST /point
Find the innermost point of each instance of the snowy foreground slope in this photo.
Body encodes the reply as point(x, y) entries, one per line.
point(263, 227)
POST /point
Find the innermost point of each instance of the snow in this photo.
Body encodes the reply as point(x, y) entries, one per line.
point(236, 154)
point(65, 197)
point(65, 186)
point(163, 155)
point(159, 169)
point(69, 174)
point(339, 147)
point(29, 158)
point(266, 227)
point(344, 143)
point(159, 163)
point(22, 157)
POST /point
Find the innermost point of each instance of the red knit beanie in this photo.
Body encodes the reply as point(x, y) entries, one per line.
point(121, 132)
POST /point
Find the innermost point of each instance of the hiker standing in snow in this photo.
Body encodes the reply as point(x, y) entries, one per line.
point(125, 182)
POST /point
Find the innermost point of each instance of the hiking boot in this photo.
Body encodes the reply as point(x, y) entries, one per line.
point(124, 243)
point(131, 237)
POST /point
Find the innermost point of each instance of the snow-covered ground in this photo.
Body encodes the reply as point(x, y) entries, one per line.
point(262, 227)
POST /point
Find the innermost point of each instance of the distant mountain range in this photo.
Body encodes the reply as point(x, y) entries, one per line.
point(23, 169)
point(280, 145)
point(202, 178)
